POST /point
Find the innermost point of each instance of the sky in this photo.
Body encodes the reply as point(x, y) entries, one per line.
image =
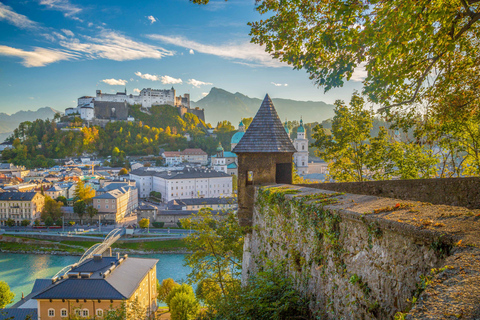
point(54, 51)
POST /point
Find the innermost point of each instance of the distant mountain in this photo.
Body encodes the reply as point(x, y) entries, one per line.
point(8, 123)
point(222, 105)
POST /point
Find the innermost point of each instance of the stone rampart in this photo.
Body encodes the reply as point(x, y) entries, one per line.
point(365, 257)
point(464, 192)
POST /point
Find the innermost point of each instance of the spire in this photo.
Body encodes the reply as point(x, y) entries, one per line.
point(286, 127)
point(266, 132)
point(301, 128)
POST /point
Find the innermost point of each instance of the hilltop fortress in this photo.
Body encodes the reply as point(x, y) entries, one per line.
point(114, 106)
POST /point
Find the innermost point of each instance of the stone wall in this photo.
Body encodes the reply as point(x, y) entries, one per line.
point(365, 257)
point(463, 192)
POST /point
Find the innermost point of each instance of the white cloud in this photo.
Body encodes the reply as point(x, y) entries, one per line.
point(197, 83)
point(191, 51)
point(147, 76)
point(31, 98)
point(131, 79)
point(68, 32)
point(68, 9)
point(170, 80)
point(360, 73)
point(39, 57)
point(136, 90)
point(246, 51)
point(115, 46)
point(204, 94)
point(115, 82)
point(280, 84)
point(18, 20)
point(152, 19)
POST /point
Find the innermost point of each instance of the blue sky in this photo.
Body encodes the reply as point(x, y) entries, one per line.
point(54, 51)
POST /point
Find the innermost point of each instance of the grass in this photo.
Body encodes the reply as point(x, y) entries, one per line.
point(12, 246)
point(165, 245)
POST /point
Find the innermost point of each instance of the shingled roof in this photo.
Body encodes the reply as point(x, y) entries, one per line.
point(266, 132)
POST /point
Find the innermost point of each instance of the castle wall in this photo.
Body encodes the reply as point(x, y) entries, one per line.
point(463, 192)
point(364, 257)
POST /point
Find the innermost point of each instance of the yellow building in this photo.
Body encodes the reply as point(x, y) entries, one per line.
point(20, 206)
point(97, 286)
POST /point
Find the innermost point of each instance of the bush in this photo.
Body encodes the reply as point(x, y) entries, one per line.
point(158, 224)
point(165, 288)
point(179, 224)
point(144, 223)
point(183, 288)
point(268, 295)
point(184, 306)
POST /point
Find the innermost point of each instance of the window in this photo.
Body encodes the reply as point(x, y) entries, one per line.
point(106, 200)
point(51, 312)
point(99, 313)
point(106, 206)
point(98, 200)
point(303, 147)
point(63, 313)
point(85, 312)
point(98, 206)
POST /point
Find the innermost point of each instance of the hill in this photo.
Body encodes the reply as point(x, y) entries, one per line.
point(222, 105)
point(8, 123)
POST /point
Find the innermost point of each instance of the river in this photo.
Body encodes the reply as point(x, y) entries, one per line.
point(21, 270)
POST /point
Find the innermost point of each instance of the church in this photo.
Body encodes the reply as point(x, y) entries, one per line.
point(300, 158)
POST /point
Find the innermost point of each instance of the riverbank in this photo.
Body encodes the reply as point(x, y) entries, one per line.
point(17, 244)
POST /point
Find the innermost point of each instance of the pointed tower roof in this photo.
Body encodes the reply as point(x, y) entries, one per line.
point(301, 128)
point(266, 132)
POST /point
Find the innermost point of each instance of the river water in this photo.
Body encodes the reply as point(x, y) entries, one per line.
point(21, 270)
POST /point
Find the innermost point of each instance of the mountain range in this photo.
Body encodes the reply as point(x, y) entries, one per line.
point(9, 122)
point(222, 105)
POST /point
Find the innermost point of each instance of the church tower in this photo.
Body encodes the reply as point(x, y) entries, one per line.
point(300, 158)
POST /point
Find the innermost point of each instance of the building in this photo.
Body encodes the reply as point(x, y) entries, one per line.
point(197, 204)
point(300, 158)
point(147, 211)
point(265, 155)
point(238, 135)
point(183, 184)
point(20, 206)
point(225, 161)
point(12, 170)
point(197, 156)
point(115, 200)
point(94, 287)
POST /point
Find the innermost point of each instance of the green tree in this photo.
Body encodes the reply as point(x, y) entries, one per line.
point(25, 223)
point(49, 221)
point(208, 291)
point(183, 288)
point(217, 246)
point(52, 209)
point(184, 306)
point(144, 223)
point(6, 295)
point(10, 222)
point(164, 289)
point(79, 207)
point(412, 50)
point(91, 212)
point(62, 199)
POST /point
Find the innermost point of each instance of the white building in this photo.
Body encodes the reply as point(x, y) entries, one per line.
point(147, 97)
point(225, 161)
point(188, 183)
point(197, 155)
point(300, 158)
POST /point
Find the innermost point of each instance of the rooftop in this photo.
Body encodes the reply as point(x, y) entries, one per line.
point(266, 132)
point(186, 173)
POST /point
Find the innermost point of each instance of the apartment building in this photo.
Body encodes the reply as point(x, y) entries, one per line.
point(95, 287)
point(116, 200)
point(183, 184)
point(199, 203)
point(188, 155)
point(20, 206)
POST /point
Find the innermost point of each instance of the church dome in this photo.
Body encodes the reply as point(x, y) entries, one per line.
point(301, 128)
point(237, 137)
point(286, 127)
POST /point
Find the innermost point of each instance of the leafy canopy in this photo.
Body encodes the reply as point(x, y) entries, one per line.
point(412, 51)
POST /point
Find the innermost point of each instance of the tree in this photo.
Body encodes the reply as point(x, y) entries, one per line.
point(62, 199)
point(144, 223)
point(246, 122)
point(82, 192)
point(234, 182)
point(91, 212)
point(6, 295)
point(71, 223)
point(52, 209)
point(208, 291)
point(123, 172)
point(217, 247)
point(79, 208)
point(354, 154)
point(184, 306)
point(412, 50)
point(183, 288)
point(164, 289)
point(10, 222)
point(25, 223)
point(49, 221)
